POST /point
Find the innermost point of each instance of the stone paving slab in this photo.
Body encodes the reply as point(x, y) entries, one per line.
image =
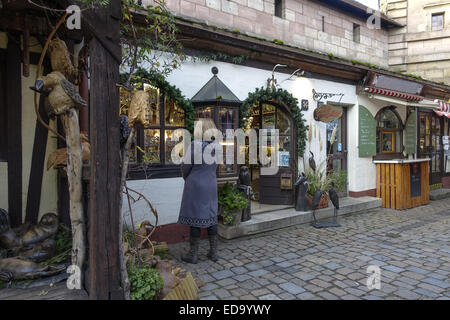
point(412, 248)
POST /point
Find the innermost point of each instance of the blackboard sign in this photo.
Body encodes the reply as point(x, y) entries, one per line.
point(367, 133)
point(411, 134)
point(415, 180)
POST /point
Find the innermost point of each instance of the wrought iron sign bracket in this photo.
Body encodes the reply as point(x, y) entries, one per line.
point(318, 96)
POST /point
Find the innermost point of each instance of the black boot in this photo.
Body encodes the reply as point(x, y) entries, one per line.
point(192, 255)
point(212, 254)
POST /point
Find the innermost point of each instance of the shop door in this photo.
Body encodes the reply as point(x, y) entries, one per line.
point(275, 189)
point(430, 144)
point(337, 151)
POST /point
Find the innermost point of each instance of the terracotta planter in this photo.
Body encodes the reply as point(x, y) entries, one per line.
point(322, 204)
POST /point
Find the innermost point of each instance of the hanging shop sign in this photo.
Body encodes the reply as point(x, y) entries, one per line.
point(411, 134)
point(327, 113)
point(367, 133)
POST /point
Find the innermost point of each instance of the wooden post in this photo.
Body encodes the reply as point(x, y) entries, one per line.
point(105, 189)
point(14, 106)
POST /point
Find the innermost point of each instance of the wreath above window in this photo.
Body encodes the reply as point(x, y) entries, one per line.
point(283, 98)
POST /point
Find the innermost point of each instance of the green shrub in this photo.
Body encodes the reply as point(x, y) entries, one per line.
point(231, 199)
point(339, 178)
point(145, 282)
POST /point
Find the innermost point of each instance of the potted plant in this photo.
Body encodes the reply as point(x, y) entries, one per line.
point(318, 180)
point(231, 204)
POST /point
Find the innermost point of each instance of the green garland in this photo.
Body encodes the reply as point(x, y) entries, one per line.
point(284, 98)
point(171, 92)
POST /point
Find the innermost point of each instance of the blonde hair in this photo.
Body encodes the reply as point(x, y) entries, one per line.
point(203, 124)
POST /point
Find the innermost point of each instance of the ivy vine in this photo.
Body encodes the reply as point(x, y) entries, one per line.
point(172, 93)
point(281, 97)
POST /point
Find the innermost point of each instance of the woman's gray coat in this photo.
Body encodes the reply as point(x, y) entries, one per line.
point(199, 203)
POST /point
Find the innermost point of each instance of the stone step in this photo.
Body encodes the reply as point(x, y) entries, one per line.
point(273, 220)
point(439, 194)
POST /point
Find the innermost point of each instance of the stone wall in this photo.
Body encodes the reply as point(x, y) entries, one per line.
point(301, 25)
point(415, 48)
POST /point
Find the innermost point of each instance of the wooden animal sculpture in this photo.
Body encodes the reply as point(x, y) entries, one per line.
point(4, 221)
point(58, 158)
point(62, 94)
point(60, 59)
point(17, 269)
point(26, 235)
point(244, 176)
point(302, 189)
point(170, 280)
point(312, 162)
point(39, 253)
point(315, 203)
point(140, 111)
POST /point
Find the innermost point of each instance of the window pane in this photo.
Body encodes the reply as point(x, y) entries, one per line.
point(388, 120)
point(206, 112)
point(151, 146)
point(437, 22)
point(283, 123)
point(226, 118)
point(154, 104)
point(125, 98)
point(174, 114)
point(268, 120)
point(170, 141)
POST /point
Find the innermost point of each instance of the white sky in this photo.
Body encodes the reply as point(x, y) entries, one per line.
point(370, 3)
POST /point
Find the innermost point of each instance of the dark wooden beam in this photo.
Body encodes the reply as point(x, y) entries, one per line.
point(14, 106)
point(105, 187)
point(37, 163)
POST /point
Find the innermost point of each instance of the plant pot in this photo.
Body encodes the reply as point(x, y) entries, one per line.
point(323, 203)
point(237, 217)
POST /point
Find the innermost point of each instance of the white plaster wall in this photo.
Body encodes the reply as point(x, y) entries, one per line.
point(49, 182)
point(165, 194)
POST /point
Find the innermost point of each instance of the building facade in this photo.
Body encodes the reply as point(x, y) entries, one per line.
point(421, 45)
point(345, 65)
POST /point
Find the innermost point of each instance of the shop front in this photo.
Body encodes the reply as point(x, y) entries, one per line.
point(433, 132)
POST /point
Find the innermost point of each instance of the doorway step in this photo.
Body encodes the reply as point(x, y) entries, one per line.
point(283, 218)
point(439, 194)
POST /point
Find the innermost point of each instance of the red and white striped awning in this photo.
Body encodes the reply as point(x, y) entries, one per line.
point(395, 94)
point(444, 108)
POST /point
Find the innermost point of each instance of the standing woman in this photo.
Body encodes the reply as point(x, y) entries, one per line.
point(199, 203)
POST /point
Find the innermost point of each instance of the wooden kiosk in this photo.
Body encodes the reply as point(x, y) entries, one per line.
point(403, 184)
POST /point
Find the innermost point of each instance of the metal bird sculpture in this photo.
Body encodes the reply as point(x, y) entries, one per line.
point(302, 188)
point(315, 203)
point(124, 130)
point(312, 162)
point(62, 94)
point(60, 59)
point(335, 200)
point(244, 177)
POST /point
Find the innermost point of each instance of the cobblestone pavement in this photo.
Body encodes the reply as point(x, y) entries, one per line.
point(412, 247)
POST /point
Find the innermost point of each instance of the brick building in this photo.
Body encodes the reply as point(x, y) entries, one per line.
point(422, 45)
